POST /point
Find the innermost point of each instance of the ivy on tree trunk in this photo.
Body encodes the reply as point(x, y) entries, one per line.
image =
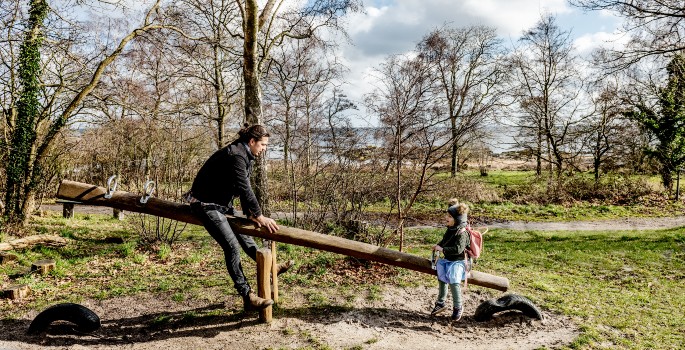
point(20, 172)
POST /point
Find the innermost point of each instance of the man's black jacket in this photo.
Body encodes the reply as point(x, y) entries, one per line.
point(226, 175)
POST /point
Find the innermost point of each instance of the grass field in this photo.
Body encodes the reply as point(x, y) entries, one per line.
point(624, 289)
point(506, 195)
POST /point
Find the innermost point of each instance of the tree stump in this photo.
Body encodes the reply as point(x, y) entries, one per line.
point(16, 292)
point(67, 210)
point(6, 257)
point(118, 214)
point(43, 267)
point(263, 283)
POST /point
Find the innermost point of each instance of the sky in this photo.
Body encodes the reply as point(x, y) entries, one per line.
point(390, 27)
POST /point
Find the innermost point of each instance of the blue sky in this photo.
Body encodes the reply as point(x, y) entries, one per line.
point(395, 26)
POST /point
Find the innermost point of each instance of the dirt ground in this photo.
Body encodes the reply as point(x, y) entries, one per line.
point(399, 320)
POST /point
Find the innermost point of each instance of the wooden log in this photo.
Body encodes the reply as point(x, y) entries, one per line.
point(47, 240)
point(274, 273)
point(43, 267)
point(67, 210)
point(16, 292)
point(264, 264)
point(94, 195)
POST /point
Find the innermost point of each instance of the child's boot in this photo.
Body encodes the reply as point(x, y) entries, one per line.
point(439, 307)
point(457, 313)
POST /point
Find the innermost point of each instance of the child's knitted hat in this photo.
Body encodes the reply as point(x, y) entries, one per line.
point(458, 211)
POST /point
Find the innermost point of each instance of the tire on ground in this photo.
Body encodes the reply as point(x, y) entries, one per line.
point(86, 320)
point(488, 308)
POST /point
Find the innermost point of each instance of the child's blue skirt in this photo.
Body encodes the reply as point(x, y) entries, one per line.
point(451, 271)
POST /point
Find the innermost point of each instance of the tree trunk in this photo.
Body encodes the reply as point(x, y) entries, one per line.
point(667, 178)
point(253, 95)
point(538, 151)
point(20, 167)
point(400, 219)
point(220, 103)
point(455, 160)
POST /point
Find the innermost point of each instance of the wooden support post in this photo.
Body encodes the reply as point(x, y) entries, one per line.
point(263, 284)
point(67, 210)
point(43, 267)
point(118, 214)
point(274, 273)
point(16, 292)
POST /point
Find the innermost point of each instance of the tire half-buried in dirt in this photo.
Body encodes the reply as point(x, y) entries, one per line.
point(490, 307)
point(86, 320)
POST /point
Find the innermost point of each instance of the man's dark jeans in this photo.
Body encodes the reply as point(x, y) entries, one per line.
point(214, 220)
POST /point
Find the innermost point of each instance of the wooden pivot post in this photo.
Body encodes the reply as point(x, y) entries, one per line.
point(16, 292)
point(264, 267)
point(67, 210)
point(274, 273)
point(43, 267)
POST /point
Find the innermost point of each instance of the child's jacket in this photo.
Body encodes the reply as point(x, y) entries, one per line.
point(454, 242)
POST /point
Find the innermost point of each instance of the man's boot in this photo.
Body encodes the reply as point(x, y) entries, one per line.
point(284, 267)
point(252, 302)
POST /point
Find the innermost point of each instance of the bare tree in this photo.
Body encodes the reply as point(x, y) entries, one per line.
point(470, 77)
point(410, 125)
point(549, 91)
point(212, 55)
point(63, 86)
point(296, 90)
point(605, 125)
point(655, 27)
point(265, 28)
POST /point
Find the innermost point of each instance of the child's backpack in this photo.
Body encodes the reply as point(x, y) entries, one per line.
point(474, 250)
point(476, 245)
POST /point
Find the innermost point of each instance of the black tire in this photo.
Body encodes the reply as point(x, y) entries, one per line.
point(86, 320)
point(488, 308)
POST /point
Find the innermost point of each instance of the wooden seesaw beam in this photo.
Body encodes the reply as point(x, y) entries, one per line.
point(94, 195)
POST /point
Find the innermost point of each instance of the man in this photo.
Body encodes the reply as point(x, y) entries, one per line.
point(224, 176)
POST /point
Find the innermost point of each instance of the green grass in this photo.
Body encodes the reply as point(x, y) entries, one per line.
point(577, 212)
point(624, 288)
point(499, 178)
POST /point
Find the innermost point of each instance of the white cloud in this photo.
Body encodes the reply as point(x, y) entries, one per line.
point(586, 43)
point(395, 27)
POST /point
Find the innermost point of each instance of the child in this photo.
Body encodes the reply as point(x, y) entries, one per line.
point(452, 269)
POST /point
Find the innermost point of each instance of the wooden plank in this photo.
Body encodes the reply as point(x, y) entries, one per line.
point(264, 264)
point(94, 195)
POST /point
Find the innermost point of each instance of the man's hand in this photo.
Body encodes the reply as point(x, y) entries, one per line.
point(437, 247)
point(264, 221)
